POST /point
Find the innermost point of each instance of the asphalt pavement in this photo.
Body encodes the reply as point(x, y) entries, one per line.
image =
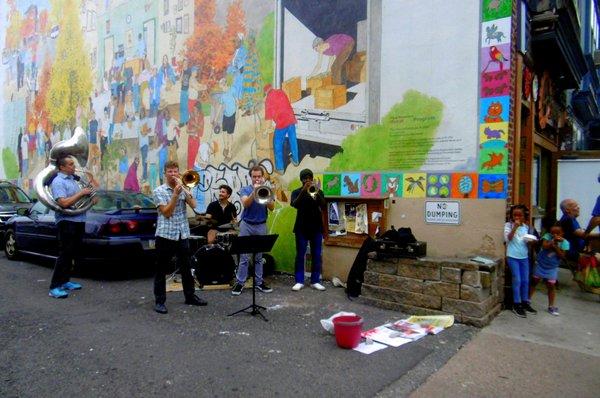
point(106, 341)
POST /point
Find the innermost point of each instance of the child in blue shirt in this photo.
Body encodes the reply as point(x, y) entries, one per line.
point(517, 258)
point(554, 247)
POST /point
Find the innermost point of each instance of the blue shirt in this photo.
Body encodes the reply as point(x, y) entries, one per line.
point(596, 210)
point(516, 247)
point(175, 227)
point(569, 226)
point(65, 186)
point(228, 100)
point(256, 213)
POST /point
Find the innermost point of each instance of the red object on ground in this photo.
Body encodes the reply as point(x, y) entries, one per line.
point(347, 330)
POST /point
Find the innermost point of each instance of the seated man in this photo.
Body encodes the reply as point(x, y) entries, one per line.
point(220, 212)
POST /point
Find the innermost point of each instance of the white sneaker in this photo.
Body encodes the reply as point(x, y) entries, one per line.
point(297, 287)
point(317, 286)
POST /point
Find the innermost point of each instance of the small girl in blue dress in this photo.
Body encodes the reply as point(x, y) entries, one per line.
point(554, 247)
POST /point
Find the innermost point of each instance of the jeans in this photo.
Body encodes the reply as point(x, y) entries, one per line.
point(316, 243)
point(165, 249)
point(519, 268)
point(242, 272)
point(279, 139)
point(70, 237)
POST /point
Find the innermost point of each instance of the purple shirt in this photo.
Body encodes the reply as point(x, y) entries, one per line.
point(337, 43)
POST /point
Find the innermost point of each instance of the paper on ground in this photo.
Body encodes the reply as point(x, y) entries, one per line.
point(385, 335)
point(369, 348)
point(443, 321)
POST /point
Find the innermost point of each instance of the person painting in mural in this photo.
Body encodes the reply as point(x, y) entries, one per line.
point(166, 74)
point(195, 131)
point(39, 137)
point(338, 48)
point(172, 233)
point(253, 222)
point(144, 145)
point(279, 110)
point(153, 163)
point(123, 167)
point(154, 94)
point(172, 131)
point(94, 149)
point(308, 228)
point(251, 80)
point(186, 74)
point(236, 67)
point(221, 211)
point(24, 155)
point(131, 181)
point(227, 100)
point(66, 191)
point(19, 150)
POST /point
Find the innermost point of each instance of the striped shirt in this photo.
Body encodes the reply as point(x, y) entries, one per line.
point(175, 227)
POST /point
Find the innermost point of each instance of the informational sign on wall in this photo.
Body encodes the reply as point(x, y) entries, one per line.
point(442, 213)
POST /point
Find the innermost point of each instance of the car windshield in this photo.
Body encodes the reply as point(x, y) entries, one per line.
point(12, 194)
point(109, 201)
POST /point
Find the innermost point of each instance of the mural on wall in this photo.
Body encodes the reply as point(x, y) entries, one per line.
point(204, 82)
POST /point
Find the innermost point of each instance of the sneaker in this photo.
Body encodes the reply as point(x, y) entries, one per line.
point(71, 286)
point(527, 307)
point(160, 308)
point(519, 311)
point(237, 289)
point(195, 300)
point(263, 287)
point(58, 292)
point(553, 311)
point(317, 286)
point(297, 286)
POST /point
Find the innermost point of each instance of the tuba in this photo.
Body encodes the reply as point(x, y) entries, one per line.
point(263, 194)
point(77, 147)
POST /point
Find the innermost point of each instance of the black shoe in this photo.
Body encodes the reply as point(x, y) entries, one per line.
point(527, 307)
point(519, 311)
point(195, 300)
point(160, 308)
point(237, 289)
point(263, 287)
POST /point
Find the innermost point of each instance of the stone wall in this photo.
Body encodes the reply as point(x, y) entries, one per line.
point(470, 291)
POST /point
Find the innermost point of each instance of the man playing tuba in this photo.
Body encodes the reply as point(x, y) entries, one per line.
point(66, 191)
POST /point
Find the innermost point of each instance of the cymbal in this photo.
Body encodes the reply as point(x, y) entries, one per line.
point(227, 226)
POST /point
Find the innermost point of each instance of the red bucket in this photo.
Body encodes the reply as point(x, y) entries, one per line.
point(347, 330)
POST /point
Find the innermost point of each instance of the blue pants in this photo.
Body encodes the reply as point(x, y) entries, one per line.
point(278, 140)
point(519, 268)
point(316, 242)
point(242, 271)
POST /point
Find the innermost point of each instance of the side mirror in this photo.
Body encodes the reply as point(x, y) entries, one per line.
point(34, 200)
point(23, 211)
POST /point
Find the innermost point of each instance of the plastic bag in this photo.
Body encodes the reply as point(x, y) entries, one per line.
point(592, 278)
point(328, 323)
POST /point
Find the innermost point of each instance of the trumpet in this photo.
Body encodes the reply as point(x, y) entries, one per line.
point(188, 180)
point(263, 194)
point(312, 191)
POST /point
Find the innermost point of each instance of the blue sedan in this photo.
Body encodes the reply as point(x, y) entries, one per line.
point(120, 226)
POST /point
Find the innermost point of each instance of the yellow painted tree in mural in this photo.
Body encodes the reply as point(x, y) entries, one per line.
point(71, 77)
point(13, 31)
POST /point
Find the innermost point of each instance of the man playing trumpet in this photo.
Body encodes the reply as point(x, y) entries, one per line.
point(253, 222)
point(310, 203)
point(172, 233)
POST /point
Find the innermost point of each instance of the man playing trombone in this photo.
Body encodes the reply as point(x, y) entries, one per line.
point(256, 199)
point(310, 203)
point(172, 233)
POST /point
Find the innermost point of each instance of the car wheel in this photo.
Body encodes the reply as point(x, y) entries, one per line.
point(10, 245)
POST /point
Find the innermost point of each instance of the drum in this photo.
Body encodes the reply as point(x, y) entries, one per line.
point(196, 242)
point(213, 265)
point(225, 239)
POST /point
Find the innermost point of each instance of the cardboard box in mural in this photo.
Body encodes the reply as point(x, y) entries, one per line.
point(383, 104)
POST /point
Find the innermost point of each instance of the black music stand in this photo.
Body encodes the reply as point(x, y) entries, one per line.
point(251, 245)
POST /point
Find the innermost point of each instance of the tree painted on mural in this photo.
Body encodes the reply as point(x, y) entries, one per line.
point(206, 48)
point(13, 30)
point(71, 76)
point(401, 141)
point(265, 46)
point(10, 163)
point(236, 21)
point(39, 103)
